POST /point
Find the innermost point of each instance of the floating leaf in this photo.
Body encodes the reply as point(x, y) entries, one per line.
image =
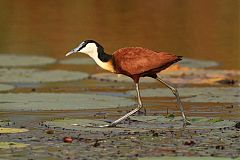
point(170, 116)
point(118, 77)
point(86, 125)
point(186, 158)
point(77, 124)
point(60, 101)
point(215, 120)
point(9, 145)
point(203, 94)
point(154, 122)
point(140, 123)
point(199, 119)
point(149, 118)
point(181, 76)
point(201, 73)
point(12, 130)
point(5, 87)
point(4, 123)
point(8, 60)
point(36, 76)
point(194, 63)
point(78, 61)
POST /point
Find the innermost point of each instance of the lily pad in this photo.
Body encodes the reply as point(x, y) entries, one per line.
point(37, 76)
point(190, 76)
point(5, 87)
point(186, 158)
point(194, 63)
point(203, 94)
point(202, 73)
point(90, 125)
point(141, 123)
point(9, 145)
point(78, 124)
point(60, 101)
point(8, 60)
point(4, 123)
point(150, 119)
point(12, 130)
point(118, 78)
point(78, 61)
point(196, 122)
point(193, 80)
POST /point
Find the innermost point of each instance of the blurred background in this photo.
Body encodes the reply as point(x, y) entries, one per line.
point(202, 29)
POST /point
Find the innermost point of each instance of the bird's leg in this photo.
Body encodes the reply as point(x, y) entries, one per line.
point(130, 113)
point(179, 103)
point(114, 123)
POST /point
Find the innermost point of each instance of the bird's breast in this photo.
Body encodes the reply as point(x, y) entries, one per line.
point(106, 65)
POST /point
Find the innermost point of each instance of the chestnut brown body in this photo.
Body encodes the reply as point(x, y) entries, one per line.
point(137, 62)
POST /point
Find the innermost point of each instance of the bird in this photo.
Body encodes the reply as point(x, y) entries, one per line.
point(134, 62)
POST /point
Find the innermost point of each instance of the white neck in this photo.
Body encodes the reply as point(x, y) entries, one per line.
point(91, 50)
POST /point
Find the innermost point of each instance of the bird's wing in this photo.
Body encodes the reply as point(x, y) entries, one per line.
point(137, 60)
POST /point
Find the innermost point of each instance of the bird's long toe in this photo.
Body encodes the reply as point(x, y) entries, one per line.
point(142, 113)
point(187, 122)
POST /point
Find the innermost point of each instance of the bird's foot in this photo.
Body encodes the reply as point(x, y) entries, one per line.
point(144, 112)
point(99, 126)
point(186, 122)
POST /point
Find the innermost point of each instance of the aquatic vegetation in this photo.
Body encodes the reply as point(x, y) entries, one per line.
point(78, 61)
point(192, 76)
point(39, 76)
point(12, 130)
point(6, 87)
point(195, 63)
point(10, 145)
point(187, 158)
point(11, 60)
point(5, 122)
point(139, 124)
point(60, 101)
point(196, 94)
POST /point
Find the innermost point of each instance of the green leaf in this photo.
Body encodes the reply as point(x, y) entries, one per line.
point(78, 61)
point(12, 130)
point(60, 101)
point(214, 120)
point(196, 94)
point(9, 145)
point(37, 76)
point(171, 116)
point(5, 87)
point(186, 158)
point(8, 60)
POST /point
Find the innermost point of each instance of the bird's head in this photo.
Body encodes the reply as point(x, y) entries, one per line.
point(89, 47)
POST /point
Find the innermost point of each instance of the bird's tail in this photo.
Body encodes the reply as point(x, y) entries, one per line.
point(179, 58)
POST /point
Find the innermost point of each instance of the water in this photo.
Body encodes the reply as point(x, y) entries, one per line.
point(198, 29)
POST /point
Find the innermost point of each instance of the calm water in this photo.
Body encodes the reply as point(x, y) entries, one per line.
point(198, 29)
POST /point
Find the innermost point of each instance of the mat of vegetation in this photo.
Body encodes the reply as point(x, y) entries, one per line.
point(11, 60)
point(60, 101)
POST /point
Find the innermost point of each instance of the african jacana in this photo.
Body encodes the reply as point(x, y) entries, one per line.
point(134, 62)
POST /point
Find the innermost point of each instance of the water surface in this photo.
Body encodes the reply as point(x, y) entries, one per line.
point(198, 29)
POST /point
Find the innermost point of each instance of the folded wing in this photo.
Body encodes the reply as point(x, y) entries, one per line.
point(137, 60)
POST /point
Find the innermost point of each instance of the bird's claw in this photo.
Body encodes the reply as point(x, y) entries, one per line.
point(186, 122)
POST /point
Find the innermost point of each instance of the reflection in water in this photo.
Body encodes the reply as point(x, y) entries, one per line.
point(199, 29)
